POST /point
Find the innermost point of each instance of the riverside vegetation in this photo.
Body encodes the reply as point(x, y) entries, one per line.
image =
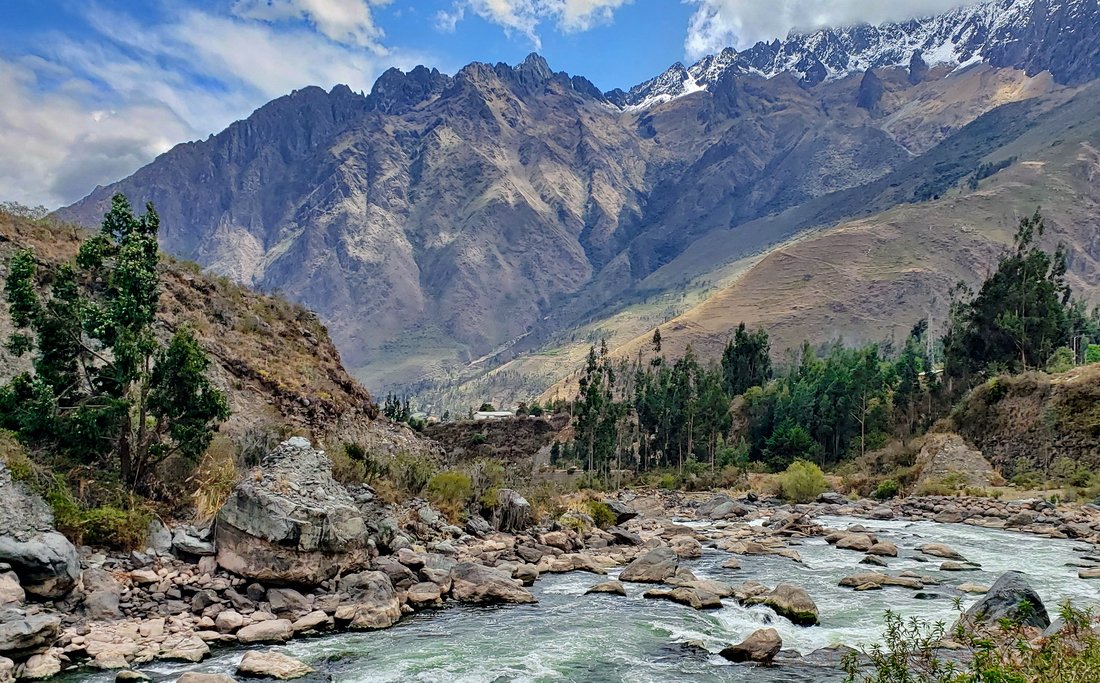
point(117, 417)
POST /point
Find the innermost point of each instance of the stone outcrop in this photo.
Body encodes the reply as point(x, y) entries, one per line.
point(289, 521)
point(653, 566)
point(792, 602)
point(1003, 601)
point(256, 664)
point(372, 601)
point(949, 456)
point(481, 585)
point(512, 512)
point(23, 633)
point(45, 561)
point(760, 647)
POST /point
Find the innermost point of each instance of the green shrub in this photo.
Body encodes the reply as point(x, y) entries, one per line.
point(601, 513)
point(887, 489)
point(450, 489)
point(802, 482)
point(668, 482)
point(1092, 354)
point(1063, 360)
point(410, 473)
point(479, 439)
point(111, 527)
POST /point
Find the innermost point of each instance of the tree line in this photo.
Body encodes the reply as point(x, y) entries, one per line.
point(830, 403)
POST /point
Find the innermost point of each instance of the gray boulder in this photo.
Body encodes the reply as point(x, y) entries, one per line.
point(289, 521)
point(256, 664)
point(653, 566)
point(623, 514)
point(45, 561)
point(372, 601)
point(23, 634)
point(101, 595)
point(760, 647)
point(11, 593)
point(474, 583)
point(1004, 601)
point(721, 506)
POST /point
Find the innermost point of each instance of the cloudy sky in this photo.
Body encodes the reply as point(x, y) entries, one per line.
point(90, 90)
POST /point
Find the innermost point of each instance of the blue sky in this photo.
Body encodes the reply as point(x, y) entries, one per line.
point(94, 89)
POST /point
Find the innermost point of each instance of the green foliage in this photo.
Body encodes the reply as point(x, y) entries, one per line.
point(410, 473)
point(746, 361)
point(601, 513)
point(1092, 354)
point(103, 392)
point(1062, 360)
point(451, 490)
point(1020, 315)
point(121, 525)
point(888, 488)
point(802, 482)
point(1003, 653)
point(486, 408)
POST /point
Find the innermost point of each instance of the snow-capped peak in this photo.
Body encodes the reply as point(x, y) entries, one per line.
point(1034, 35)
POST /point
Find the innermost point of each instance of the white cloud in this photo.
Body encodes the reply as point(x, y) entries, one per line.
point(91, 110)
point(717, 24)
point(342, 21)
point(525, 16)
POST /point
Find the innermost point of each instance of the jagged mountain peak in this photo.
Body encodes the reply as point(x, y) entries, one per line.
point(1059, 36)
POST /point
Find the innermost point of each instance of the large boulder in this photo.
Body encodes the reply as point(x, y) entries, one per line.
point(23, 634)
point(623, 513)
point(760, 647)
point(102, 594)
point(1004, 600)
point(692, 597)
point(11, 593)
point(289, 521)
point(45, 561)
point(512, 512)
point(721, 506)
point(256, 664)
point(653, 566)
point(372, 601)
point(791, 602)
point(481, 585)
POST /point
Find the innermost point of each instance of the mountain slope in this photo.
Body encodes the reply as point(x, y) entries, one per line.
point(446, 226)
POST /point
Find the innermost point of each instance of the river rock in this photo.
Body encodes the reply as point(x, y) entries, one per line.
point(45, 561)
point(102, 594)
point(694, 598)
point(621, 536)
point(373, 601)
point(423, 594)
point(317, 620)
point(288, 602)
point(653, 566)
point(612, 587)
point(228, 621)
point(11, 593)
point(256, 664)
point(512, 512)
point(1003, 602)
point(481, 585)
point(792, 602)
point(973, 588)
point(196, 677)
point(883, 549)
point(39, 667)
point(760, 647)
point(721, 507)
point(273, 631)
point(685, 547)
point(940, 550)
point(858, 542)
point(1093, 573)
point(289, 521)
point(623, 513)
point(23, 634)
point(7, 670)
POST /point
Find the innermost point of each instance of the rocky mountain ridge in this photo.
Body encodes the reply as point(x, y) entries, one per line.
point(1030, 35)
point(443, 225)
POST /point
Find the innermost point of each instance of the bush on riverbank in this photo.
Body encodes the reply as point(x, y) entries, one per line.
point(912, 651)
point(802, 482)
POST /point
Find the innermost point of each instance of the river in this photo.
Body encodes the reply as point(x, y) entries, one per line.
point(569, 636)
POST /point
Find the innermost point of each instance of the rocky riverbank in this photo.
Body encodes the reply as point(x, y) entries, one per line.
point(294, 553)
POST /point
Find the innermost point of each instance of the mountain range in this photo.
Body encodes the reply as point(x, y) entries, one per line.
point(466, 237)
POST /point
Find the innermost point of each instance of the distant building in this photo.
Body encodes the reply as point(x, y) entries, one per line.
point(493, 415)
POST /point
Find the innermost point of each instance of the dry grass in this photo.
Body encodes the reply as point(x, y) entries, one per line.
point(214, 478)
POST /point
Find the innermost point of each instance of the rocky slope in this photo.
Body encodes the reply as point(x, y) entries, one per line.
point(443, 225)
point(274, 359)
